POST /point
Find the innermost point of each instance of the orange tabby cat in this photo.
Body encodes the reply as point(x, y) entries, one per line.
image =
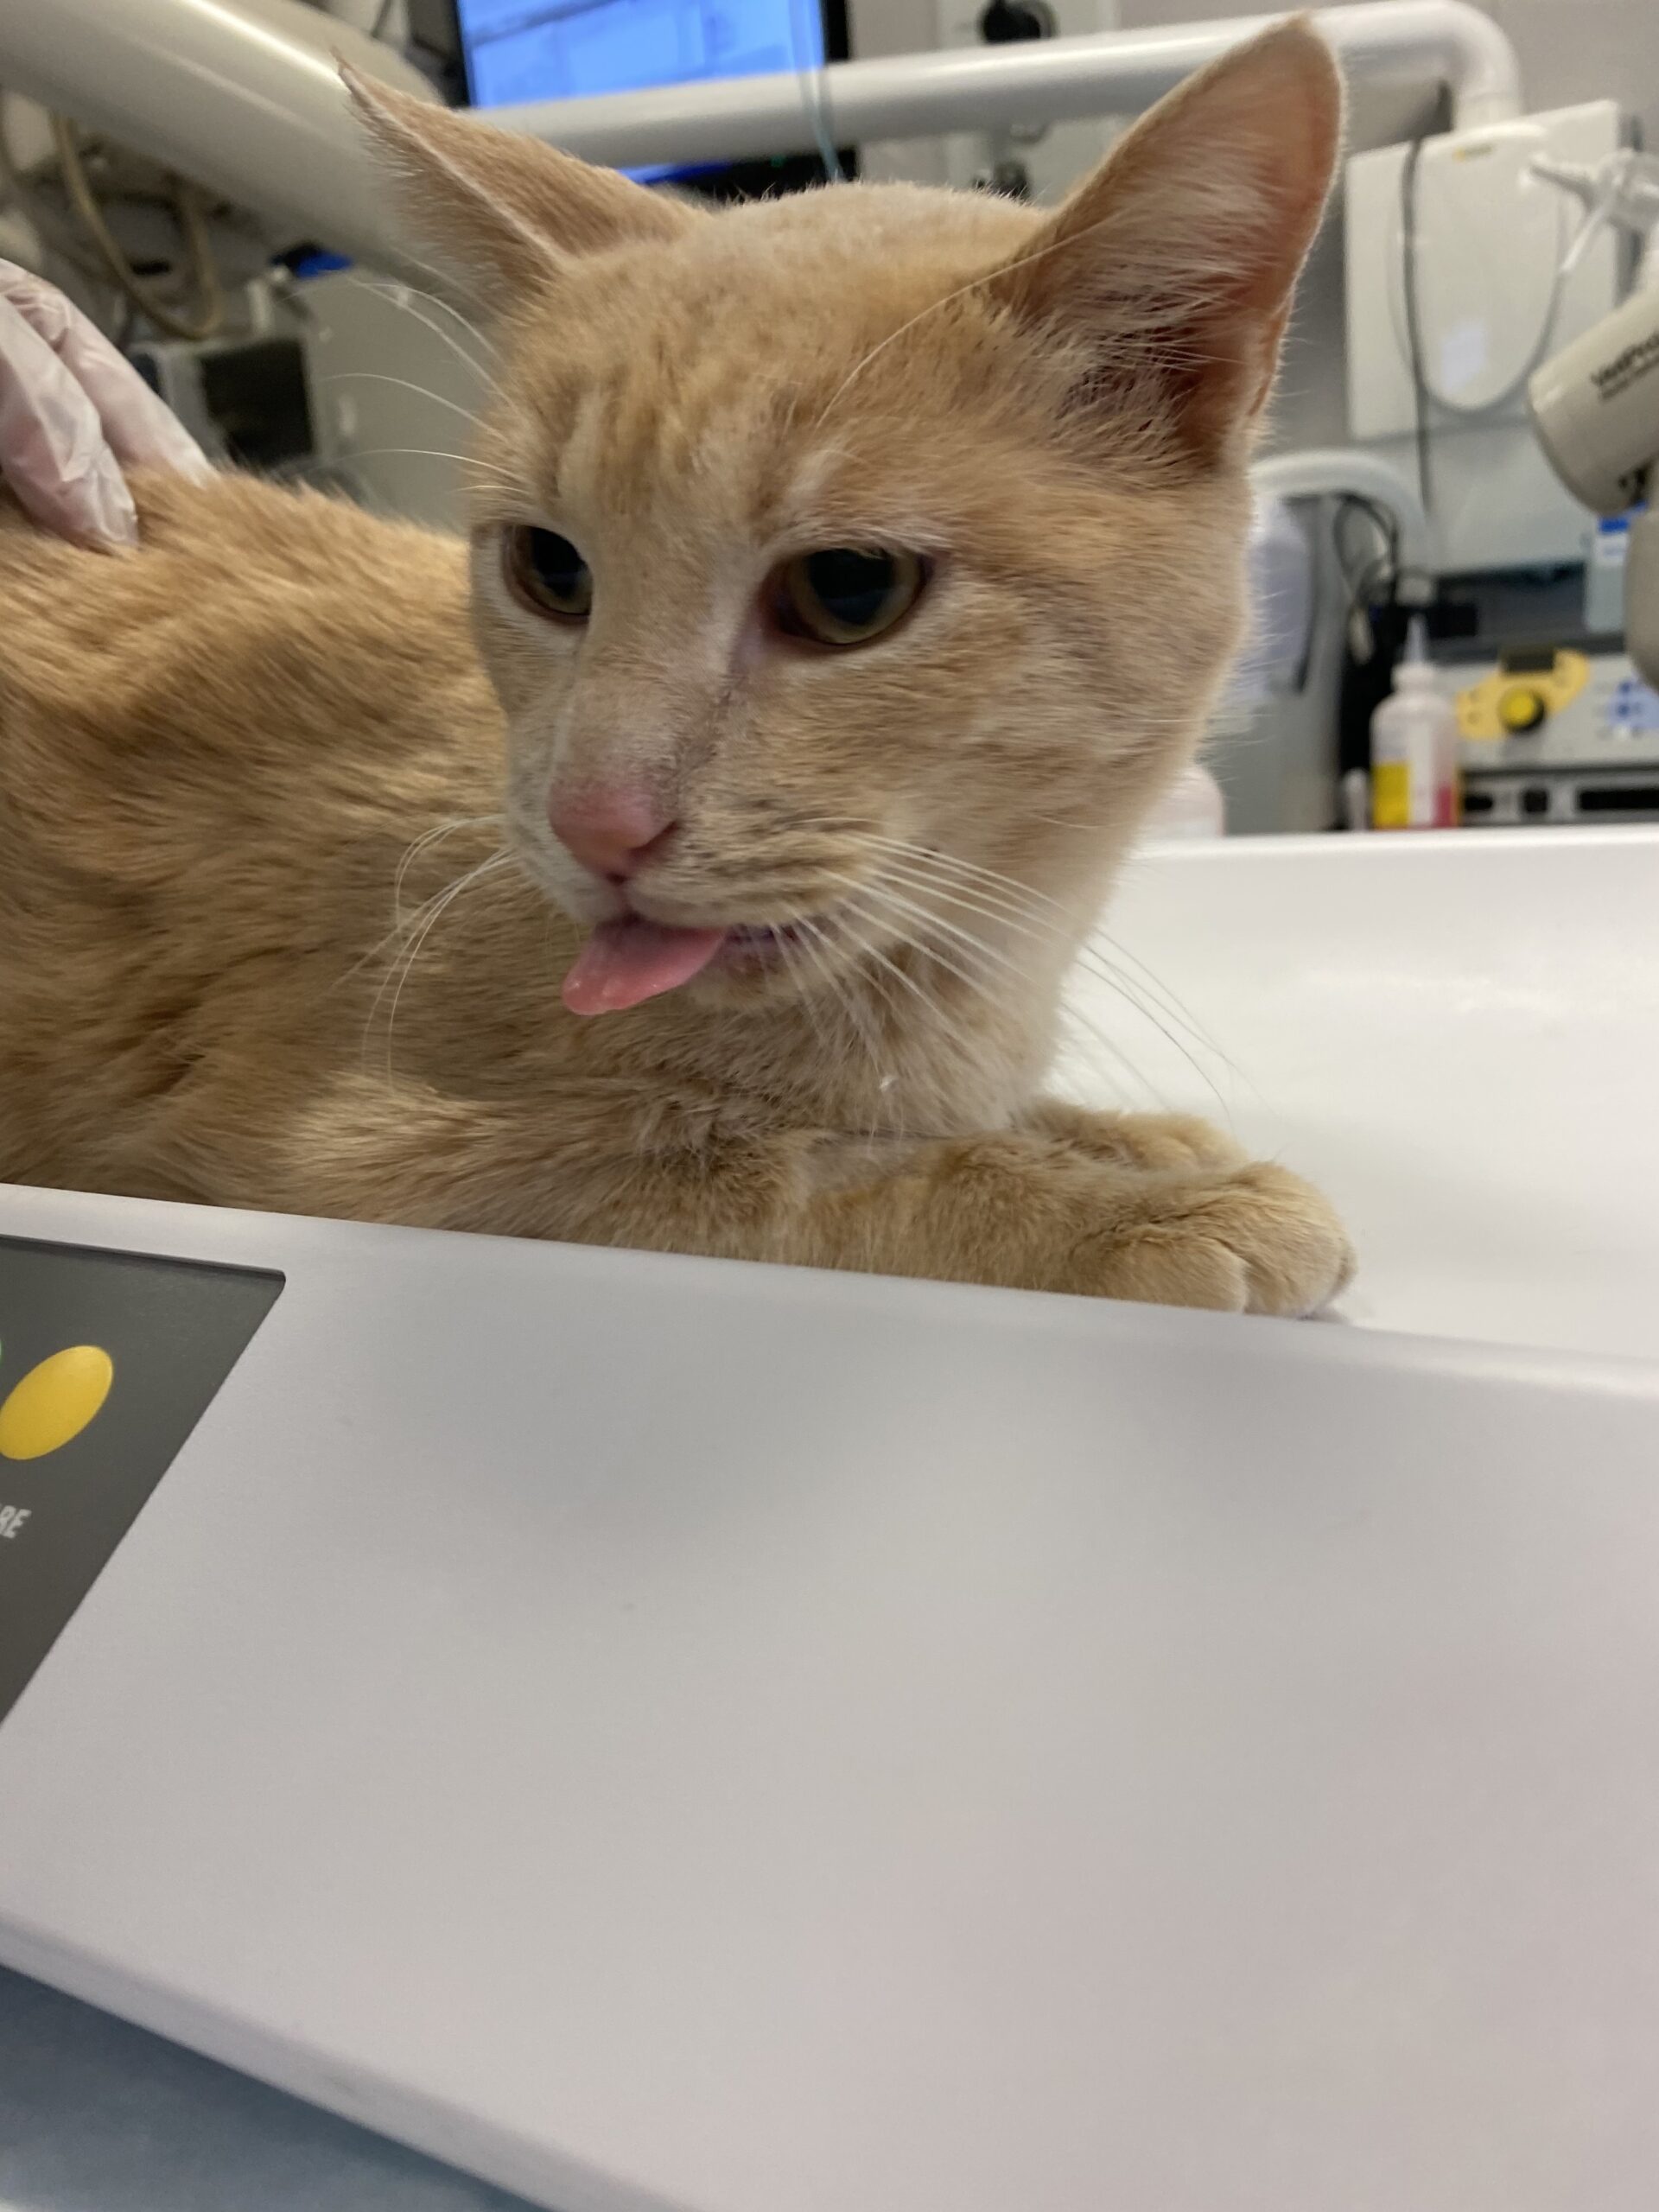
point(849, 575)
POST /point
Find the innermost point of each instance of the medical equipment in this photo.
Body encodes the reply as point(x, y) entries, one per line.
point(1595, 405)
point(1461, 277)
point(1621, 191)
point(1552, 734)
point(246, 402)
point(1595, 408)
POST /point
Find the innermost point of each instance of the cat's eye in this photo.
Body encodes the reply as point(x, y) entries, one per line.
point(548, 573)
point(846, 596)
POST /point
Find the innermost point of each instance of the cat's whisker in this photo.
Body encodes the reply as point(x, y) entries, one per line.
point(847, 1002)
point(404, 384)
point(804, 995)
point(446, 280)
point(398, 932)
point(951, 1029)
point(1029, 901)
point(989, 955)
point(1086, 956)
point(403, 922)
point(484, 868)
point(503, 476)
point(854, 911)
point(416, 931)
point(394, 942)
point(818, 969)
point(398, 296)
point(937, 857)
point(854, 991)
point(904, 906)
point(1008, 894)
point(432, 837)
point(1162, 994)
point(1086, 960)
point(877, 899)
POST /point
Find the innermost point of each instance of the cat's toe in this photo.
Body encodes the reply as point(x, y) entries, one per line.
point(1255, 1239)
point(1153, 1143)
point(1171, 1142)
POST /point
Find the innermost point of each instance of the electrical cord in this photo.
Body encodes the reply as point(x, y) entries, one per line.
point(1413, 320)
point(193, 227)
point(1386, 525)
point(60, 234)
point(815, 94)
point(1368, 579)
point(382, 17)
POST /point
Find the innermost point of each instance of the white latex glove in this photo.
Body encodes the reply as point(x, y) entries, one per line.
point(73, 413)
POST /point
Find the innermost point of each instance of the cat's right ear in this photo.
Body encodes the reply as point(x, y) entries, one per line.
point(504, 212)
point(1164, 280)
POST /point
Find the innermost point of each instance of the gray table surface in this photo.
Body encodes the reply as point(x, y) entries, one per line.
point(96, 2116)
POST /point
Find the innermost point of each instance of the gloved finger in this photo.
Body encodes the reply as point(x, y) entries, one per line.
point(142, 432)
point(53, 450)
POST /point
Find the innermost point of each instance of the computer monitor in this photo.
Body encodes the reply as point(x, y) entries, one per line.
point(518, 50)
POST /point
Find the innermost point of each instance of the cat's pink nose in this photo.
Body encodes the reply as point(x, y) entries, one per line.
point(613, 832)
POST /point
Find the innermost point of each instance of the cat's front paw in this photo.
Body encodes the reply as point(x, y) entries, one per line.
point(1153, 1141)
point(1250, 1239)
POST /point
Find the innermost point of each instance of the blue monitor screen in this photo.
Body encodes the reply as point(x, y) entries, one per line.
point(563, 49)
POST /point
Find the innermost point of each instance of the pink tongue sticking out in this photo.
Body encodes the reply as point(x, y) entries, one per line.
point(623, 964)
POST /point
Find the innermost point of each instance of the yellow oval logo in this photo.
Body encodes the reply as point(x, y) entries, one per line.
point(55, 1402)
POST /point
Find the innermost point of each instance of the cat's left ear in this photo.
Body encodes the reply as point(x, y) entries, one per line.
point(503, 212)
point(1167, 277)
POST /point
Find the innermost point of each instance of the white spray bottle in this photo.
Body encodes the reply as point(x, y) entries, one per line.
point(1414, 783)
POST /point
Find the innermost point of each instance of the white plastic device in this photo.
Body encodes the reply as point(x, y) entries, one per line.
point(671, 1737)
point(1490, 303)
point(1595, 405)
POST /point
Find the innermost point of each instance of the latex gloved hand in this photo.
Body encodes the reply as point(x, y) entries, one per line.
point(73, 413)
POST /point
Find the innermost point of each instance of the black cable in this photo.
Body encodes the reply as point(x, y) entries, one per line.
point(382, 17)
point(1368, 579)
point(1413, 320)
point(1386, 525)
point(815, 91)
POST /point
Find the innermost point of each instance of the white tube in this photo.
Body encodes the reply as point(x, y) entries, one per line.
point(1326, 472)
point(1418, 41)
point(1118, 72)
point(243, 96)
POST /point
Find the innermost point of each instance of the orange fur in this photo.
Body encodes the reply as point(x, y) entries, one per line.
point(214, 755)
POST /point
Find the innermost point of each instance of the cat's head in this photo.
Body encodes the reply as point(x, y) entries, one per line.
point(836, 555)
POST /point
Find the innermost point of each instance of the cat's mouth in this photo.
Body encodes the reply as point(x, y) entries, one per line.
point(631, 959)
